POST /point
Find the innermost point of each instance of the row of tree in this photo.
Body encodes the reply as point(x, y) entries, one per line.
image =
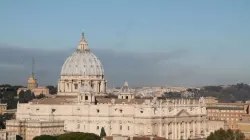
point(226, 135)
point(70, 136)
point(8, 94)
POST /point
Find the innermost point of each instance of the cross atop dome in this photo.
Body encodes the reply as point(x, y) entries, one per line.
point(83, 44)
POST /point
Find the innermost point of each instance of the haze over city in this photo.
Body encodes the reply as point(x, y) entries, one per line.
point(147, 43)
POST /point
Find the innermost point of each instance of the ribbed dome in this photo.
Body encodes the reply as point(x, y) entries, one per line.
point(82, 62)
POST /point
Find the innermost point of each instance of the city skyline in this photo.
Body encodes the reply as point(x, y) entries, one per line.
point(146, 43)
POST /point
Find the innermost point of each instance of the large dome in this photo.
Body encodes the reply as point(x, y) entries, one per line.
point(82, 62)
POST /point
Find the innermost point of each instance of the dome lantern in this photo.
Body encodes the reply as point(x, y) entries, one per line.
point(83, 44)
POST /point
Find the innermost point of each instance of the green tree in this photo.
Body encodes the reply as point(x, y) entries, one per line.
point(21, 94)
point(40, 96)
point(103, 133)
point(239, 135)
point(45, 137)
point(226, 135)
point(52, 89)
point(78, 136)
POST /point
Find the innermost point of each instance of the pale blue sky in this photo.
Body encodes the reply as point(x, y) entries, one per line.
point(213, 33)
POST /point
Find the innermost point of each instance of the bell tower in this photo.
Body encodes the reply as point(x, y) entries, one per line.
point(32, 83)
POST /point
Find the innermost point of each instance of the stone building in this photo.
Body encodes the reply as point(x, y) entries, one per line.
point(82, 109)
point(28, 129)
point(214, 125)
point(32, 85)
point(231, 113)
point(3, 108)
point(7, 134)
point(118, 137)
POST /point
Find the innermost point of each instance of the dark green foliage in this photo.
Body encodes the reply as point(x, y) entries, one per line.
point(18, 137)
point(78, 136)
point(103, 133)
point(45, 137)
point(40, 96)
point(3, 119)
point(5, 85)
point(232, 93)
point(52, 89)
point(21, 94)
point(226, 135)
point(8, 96)
point(25, 96)
point(172, 95)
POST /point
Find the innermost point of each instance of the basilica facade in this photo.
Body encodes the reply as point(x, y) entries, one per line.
point(82, 109)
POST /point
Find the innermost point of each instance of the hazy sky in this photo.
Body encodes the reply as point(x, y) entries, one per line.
point(147, 42)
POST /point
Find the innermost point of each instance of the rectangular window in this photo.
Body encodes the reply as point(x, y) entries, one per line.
point(128, 127)
point(76, 86)
point(97, 127)
point(86, 97)
point(120, 127)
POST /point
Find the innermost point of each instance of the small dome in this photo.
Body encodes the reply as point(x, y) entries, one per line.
point(82, 62)
point(125, 88)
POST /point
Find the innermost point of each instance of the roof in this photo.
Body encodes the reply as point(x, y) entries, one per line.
point(55, 100)
point(225, 108)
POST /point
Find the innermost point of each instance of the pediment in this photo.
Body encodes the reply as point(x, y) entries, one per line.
point(183, 113)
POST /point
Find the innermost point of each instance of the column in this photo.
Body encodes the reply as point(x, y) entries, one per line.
point(188, 129)
point(98, 87)
point(179, 128)
point(64, 86)
point(102, 86)
point(59, 86)
point(160, 125)
point(199, 128)
point(184, 131)
point(70, 86)
point(175, 132)
point(94, 86)
point(194, 128)
point(172, 127)
point(167, 131)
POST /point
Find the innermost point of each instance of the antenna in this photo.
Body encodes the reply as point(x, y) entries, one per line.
point(33, 63)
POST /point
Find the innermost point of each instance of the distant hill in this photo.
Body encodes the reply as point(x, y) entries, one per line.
point(230, 93)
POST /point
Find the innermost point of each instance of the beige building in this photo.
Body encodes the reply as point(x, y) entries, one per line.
point(33, 87)
point(7, 135)
point(214, 125)
point(244, 126)
point(82, 109)
point(28, 129)
point(231, 113)
point(3, 108)
point(210, 100)
point(171, 119)
point(119, 137)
